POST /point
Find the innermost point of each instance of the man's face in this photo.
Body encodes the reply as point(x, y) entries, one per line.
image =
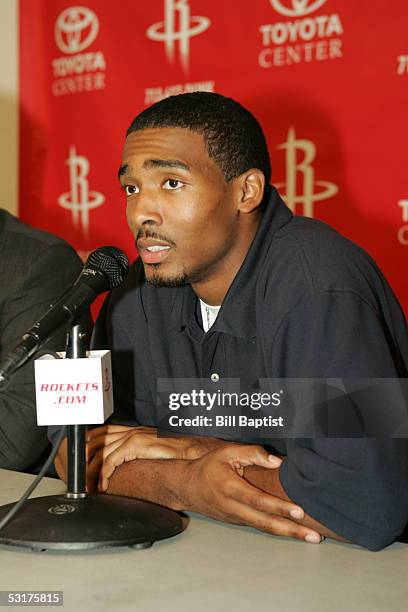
point(180, 209)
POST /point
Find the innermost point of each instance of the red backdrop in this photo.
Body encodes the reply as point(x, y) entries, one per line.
point(327, 79)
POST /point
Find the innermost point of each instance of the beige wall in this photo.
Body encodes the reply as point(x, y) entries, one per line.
point(8, 104)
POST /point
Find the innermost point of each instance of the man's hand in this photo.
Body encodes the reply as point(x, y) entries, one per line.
point(111, 445)
point(217, 489)
point(61, 458)
point(214, 485)
point(95, 442)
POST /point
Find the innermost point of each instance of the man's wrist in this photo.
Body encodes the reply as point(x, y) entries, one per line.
point(161, 481)
point(198, 447)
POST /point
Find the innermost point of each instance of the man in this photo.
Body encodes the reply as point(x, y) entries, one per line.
point(35, 269)
point(290, 298)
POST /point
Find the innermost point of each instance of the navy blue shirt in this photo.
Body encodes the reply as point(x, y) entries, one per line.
point(306, 303)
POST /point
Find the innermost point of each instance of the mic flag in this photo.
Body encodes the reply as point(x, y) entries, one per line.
point(84, 384)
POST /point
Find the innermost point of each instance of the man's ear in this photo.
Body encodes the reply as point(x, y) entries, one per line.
point(250, 189)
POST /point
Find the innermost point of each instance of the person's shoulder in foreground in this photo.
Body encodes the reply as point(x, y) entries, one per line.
point(35, 269)
point(296, 300)
point(315, 276)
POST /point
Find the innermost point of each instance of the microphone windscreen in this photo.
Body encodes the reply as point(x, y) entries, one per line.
point(112, 262)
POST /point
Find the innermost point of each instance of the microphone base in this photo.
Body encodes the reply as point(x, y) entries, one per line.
point(92, 523)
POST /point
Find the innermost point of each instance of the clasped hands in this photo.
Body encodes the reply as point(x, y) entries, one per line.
point(213, 475)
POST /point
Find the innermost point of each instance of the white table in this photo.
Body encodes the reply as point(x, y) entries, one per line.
point(211, 567)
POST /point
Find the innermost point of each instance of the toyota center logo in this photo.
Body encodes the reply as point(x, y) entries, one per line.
point(75, 29)
point(300, 36)
point(299, 8)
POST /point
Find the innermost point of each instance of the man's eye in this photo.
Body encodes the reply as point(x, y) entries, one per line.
point(130, 189)
point(172, 184)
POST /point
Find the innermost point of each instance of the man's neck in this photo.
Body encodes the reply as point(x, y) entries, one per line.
point(213, 289)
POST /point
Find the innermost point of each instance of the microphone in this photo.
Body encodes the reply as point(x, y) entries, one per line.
point(105, 269)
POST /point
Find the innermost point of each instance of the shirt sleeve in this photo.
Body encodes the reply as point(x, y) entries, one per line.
point(22, 441)
point(357, 486)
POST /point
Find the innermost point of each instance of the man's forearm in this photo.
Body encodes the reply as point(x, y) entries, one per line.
point(156, 480)
point(269, 482)
point(163, 481)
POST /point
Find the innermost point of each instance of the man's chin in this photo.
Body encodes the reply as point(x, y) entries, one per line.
point(159, 279)
point(156, 275)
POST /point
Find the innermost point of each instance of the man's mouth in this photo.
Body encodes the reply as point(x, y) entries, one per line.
point(152, 251)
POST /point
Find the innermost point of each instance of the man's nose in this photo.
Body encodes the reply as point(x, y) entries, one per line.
point(144, 210)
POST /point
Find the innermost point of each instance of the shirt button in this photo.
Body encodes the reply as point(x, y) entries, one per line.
point(215, 377)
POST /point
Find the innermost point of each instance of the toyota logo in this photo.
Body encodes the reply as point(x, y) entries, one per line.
point(75, 29)
point(299, 8)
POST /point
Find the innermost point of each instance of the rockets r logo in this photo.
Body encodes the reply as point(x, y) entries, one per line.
point(304, 167)
point(80, 200)
point(178, 25)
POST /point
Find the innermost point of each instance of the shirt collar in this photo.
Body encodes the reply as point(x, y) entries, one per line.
point(237, 315)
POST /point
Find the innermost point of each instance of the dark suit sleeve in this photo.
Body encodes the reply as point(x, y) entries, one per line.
point(356, 487)
point(52, 270)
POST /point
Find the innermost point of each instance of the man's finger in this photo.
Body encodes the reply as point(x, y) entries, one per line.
point(275, 525)
point(117, 453)
point(253, 455)
point(60, 461)
point(240, 456)
point(108, 467)
point(59, 467)
point(115, 459)
point(93, 469)
point(123, 448)
point(103, 440)
point(242, 491)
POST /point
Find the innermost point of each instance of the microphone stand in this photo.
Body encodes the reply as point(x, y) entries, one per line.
point(77, 520)
point(76, 448)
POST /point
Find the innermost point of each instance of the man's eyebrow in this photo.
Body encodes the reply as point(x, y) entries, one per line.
point(122, 170)
point(166, 163)
point(157, 163)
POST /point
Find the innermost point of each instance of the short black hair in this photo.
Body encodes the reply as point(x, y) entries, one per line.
point(234, 139)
